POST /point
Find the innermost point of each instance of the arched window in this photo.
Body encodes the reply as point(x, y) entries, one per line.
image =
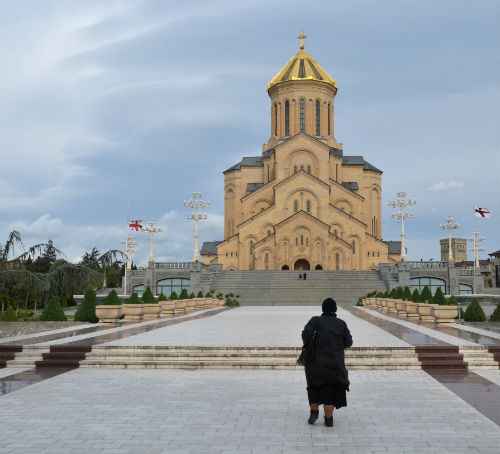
point(318, 118)
point(251, 247)
point(287, 118)
point(266, 260)
point(353, 247)
point(139, 289)
point(295, 205)
point(329, 109)
point(167, 286)
point(308, 169)
point(301, 167)
point(302, 115)
point(337, 261)
point(296, 241)
point(465, 289)
point(294, 169)
point(301, 240)
point(268, 232)
point(275, 119)
point(432, 282)
point(308, 206)
point(307, 241)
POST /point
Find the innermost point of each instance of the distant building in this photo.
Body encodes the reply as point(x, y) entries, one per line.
point(458, 249)
point(495, 262)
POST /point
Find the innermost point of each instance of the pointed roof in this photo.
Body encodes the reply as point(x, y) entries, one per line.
point(302, 67)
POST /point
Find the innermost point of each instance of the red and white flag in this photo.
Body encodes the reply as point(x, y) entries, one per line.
point(136, 224)
point(482, 212)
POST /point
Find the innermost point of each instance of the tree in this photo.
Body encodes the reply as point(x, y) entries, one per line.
point(112, 298)
point(191, 296)
point(474, 312)
point(407, 293)
point(174, 296)
point(439, 297)
point(184, 294)
point(452, 301)
point(162, 297)
point(398, 293)
point(148, 297)
point(415, 296)
point(426, 295)
point(53, 311)
point(86, 310)
point(91, 259)
point(134, 299)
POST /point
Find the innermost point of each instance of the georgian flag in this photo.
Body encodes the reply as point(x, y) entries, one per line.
point(135, 224)
point(481, 212)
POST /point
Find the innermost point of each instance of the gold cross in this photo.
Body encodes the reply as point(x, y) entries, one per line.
point(302, 37)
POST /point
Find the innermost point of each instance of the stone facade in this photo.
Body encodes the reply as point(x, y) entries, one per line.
point(458, 249)
point(302, 204)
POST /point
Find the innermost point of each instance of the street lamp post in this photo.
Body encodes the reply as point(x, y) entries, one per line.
point(450, 225)
point(476, 239)
point(402, 203)
point(151, 228)
point(196, 203)
point(128, 250)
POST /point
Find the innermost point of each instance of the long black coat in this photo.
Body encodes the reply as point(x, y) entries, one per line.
point(332, 338)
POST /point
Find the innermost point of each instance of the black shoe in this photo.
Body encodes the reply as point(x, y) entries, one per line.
point(313, 416)
point(329, 422)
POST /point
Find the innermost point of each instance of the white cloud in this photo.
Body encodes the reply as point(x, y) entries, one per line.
point(451, 185)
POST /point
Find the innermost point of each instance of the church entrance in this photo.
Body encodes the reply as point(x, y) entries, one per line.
point(302, 264)
point(318, 267)
point(285, 267)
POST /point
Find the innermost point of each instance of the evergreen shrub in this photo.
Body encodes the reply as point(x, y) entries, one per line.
point(439, 297)
point(191, 296)
point(426, 295)
point(208, 295)
point(53, 312)
point(200, 294)
point(495, 317)
point(406, 293)
point(86, 310)
point(174, 296)
point(452, 301)
point(111, 298)
point(25, 314)
point(162, 297)
point(9, 315)
point(134, 299)
point(474, 312)
point(184, 294)
point(398, 293)
point(148, 297)
point(415, 296)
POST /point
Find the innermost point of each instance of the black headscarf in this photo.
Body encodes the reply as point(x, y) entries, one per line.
point(329, 306)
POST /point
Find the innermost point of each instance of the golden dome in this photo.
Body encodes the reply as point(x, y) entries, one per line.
point(302, 67)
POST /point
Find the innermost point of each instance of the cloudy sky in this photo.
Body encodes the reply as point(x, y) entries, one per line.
point(110, 103)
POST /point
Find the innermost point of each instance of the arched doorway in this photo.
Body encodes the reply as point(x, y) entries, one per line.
point(285, 267)
point(318, 267)
point(302, 264)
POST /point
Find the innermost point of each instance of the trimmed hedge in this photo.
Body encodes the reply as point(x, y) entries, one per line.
point(495, 317)
point(148, 297)
point(134, 299)
point(426, 295)
point(162, 297)
point(439, 297)
point(86, 310)
point(406, 293)
point(474, 312)
point(415, 296)
point(184, 294)
point(53, 312)
point(452, 301)
point(112, 298)
point(174, 296)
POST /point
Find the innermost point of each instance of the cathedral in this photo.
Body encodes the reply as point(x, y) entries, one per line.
point(302, 204)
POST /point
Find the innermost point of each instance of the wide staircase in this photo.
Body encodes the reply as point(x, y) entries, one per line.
point(284, 288)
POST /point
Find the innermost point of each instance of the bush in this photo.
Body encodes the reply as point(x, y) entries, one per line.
point(474, 313)
point(415, 296)
point(200, 295)
point(25, 314)
point(86, 310)
point(191, 296)
point(452, 301)
point(439, 297)
point(219, 296)
point(53, 312)
point(406, 293)
point(9, 315)
point(392, 293)
point(495, 317)
point(148, 297)
point(71, 302)
point(208, 295)
point(162, 297)
point(231, 300)
point(398, 294)
point(111, 298)
point(184, 294)
point(134, 299)
point(426, 295)
point(173, 296)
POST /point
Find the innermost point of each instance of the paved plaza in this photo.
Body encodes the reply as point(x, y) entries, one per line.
point(244, 411)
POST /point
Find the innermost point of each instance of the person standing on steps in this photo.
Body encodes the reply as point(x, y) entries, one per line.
point(304, 276)
point(326, 374)
point(300, 276)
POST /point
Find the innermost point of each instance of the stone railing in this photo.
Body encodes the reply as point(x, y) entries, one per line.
point(173, 265)
point(136, 272)
point(427, 265)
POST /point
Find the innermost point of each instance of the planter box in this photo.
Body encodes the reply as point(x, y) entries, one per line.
point(152, 311)
point(168, 308)
point(379, 303)
point(199, 303)
point(401, 307)
point(109, 314)
point(425, 311)
point(190, 305)
point(180, 306)
point(411, 309)
point(133, 311)
point(384, 305)
point(445, 314)
point(391, 306)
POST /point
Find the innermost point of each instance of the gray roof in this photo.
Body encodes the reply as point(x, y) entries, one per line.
point(254, 186)
point(336, 152)
point(209, 247)
point(247, 161)
point(351, 185)
point(394, 247)
point(267, 153)
point(359, 161)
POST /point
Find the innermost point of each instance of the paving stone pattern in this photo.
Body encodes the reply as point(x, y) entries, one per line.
point(258, 326)
point(175, 411)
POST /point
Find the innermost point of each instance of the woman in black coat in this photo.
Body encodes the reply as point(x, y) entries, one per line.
point(326, 374)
